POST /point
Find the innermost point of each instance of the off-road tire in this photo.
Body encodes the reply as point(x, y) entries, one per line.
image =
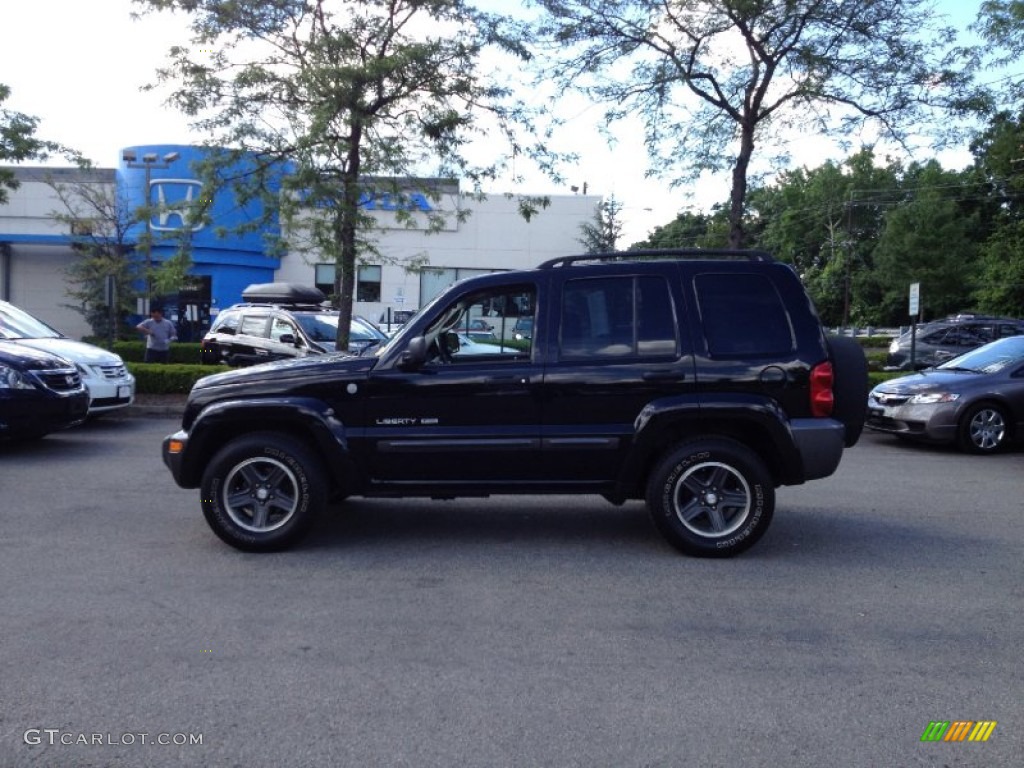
point(262, 492)
point(711, 497)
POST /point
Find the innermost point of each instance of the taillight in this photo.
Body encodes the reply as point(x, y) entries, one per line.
point(822, 399)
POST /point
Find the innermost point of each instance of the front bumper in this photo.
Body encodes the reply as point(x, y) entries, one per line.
point(936, 423)
point(36, 414)
point(173, 454)
point(106, 393)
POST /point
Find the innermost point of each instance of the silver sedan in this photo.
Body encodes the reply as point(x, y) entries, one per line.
point(975, 400)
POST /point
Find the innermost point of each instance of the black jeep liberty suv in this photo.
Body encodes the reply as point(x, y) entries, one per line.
point(698, 380)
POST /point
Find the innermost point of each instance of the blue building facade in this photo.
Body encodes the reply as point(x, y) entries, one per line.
point(230, 248)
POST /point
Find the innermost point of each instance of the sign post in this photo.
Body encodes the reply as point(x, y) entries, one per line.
point(914, 312)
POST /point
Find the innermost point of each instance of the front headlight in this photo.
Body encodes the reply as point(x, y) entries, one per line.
point(931, 398)
point(12, 379)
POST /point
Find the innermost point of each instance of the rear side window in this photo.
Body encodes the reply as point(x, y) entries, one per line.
point(253, 325)
point(742, 315)
point(617, 317)
point(226, 322)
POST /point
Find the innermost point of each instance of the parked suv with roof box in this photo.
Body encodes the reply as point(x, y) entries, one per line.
point(279, 321)
point(107, 379)
point(699, 381)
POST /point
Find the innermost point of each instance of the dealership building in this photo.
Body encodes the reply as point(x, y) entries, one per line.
point(432, 242)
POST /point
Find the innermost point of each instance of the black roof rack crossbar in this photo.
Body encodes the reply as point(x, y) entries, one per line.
point(660, 253)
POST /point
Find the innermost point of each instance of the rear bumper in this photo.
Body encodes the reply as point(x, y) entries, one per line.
point(820, 442)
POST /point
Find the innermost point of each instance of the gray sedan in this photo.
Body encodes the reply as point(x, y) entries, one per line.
point(975, 400)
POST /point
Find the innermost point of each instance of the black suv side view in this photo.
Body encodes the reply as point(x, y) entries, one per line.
point(279, 321)
point(699, 381)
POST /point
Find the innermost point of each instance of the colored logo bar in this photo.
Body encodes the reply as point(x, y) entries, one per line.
point(958, 730)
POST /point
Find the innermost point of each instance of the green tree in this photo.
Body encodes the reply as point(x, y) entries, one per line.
point(352, 95)
point(98, 220)
point(18, 143)
point(999, 166)
point(601, 234)
point(715, 81)
point(928, 239)
point(1000, 289)
point(826, 222)
point(1000, 24)
point(689, 230)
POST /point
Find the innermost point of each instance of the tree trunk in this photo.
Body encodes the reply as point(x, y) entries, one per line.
point(738, 197)
point(345, 225)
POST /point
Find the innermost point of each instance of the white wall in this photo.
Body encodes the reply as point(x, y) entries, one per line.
point(494, 236)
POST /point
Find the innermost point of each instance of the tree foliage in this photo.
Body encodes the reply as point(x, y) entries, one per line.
point(715, 81)
point(689, 230)
point(602, 233)
point(358, 98)
point(98, 220)
point(18, 143)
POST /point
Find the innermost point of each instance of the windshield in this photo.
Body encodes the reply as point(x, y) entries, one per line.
point(990, 358)
point(320, 327)
point(16, 324)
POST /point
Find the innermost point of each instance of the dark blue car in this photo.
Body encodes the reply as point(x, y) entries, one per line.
point(39, 393)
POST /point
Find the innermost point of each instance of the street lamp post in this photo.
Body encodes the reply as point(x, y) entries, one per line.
point(149, 161)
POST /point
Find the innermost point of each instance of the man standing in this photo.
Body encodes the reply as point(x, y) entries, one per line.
point(160, 332)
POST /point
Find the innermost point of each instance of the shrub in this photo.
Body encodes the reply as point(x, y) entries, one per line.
point(169, 379)
point(877, 377)
point(135, 352)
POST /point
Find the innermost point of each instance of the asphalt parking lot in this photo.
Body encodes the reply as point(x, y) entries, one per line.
point(535, 631)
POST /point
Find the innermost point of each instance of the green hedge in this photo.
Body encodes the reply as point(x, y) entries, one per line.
point(135, 352)
point(169, 379)
point(877, 377)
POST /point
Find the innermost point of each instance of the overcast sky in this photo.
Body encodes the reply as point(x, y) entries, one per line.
point(78, 65)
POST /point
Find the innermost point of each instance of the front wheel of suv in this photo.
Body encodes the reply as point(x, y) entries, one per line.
point(711, 497)
point(262, 491)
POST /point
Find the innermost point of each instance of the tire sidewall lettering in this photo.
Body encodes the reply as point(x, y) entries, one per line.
point(300, 475)
point(670, 482)
point(753, 518)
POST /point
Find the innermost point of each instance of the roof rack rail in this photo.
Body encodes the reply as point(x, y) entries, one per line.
point(659, 253)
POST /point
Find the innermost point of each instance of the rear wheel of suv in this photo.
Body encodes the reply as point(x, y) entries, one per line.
point(262, 491)
point(711, 498)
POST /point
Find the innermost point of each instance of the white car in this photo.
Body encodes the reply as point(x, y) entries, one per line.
point(104, 374)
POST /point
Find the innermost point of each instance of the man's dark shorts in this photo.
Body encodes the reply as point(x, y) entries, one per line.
point(157, 355)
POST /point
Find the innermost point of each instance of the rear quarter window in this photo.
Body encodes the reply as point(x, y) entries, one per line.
point(254, 325)
point(742, 315)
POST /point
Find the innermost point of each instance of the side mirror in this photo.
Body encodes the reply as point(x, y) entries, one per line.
point(415, 354)
point(288, 338)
